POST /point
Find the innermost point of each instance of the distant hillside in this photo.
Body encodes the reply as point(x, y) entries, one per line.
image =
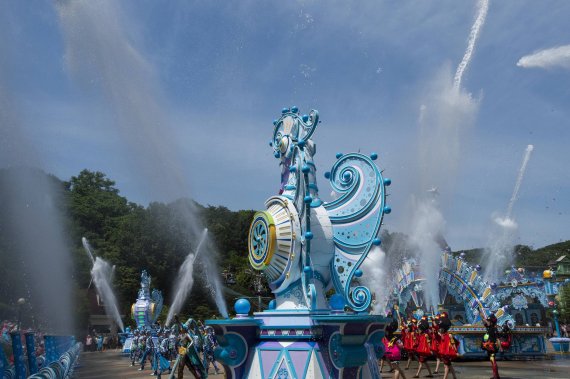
point(525, 256)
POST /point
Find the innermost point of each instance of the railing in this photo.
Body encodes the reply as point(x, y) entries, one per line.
point(62, 368)
point(59, 362)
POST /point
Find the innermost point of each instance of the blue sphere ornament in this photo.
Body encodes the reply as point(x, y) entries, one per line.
point(309, 235)
point(462, 255)
point(305, 118)
point(284, 110)
point(336, 302)
point(478, 267)
point(275, 122)
point(305, 169)
point(307, 199)
point(373, 156)
point(295, 109)
point(347, 175)
point(307, 269)
point(276, 154)
point(376, 241)
point(292, 168)
point(242, 306)
point(358, 273)
point(387, 210)
point(338, 155)
point(272, 304)
point(301, 143)
point(387, 181)
point(541, 283)
point(327, 175)
point(493, 285)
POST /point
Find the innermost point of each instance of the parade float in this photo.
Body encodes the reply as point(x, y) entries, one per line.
point(308, 248)
point(144, 311)
point(520, 299)
point(148, 305)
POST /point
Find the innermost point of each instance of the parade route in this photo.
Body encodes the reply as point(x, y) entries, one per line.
point(111, 364)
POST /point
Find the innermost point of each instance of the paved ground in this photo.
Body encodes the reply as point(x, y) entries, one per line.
point(111, 365)
point(547, 369)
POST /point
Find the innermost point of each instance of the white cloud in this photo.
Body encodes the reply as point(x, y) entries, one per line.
point(547, 58)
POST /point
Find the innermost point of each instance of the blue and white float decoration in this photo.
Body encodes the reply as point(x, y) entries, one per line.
point(306, 246)
point(147, 307)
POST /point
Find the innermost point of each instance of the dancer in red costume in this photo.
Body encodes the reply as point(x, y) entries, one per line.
point(422, 346)
point(393, 346)
point(491, 342)
point(435, 339)
point(506, 338)
point(448, 345)
point(409, 339)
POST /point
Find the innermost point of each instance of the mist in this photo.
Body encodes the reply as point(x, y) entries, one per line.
point(37, 250)
point(102, 58)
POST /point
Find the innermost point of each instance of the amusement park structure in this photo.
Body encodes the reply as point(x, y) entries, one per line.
point(306, 248)
point(519, 299)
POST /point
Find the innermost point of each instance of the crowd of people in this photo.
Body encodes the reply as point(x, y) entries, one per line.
point(9, 326)
point(421, 339)
point(99, 342)
point(429, 337)
point(182, 345)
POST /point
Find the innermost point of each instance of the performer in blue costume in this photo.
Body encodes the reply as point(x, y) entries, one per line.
point(161, 355)
point(209, 346)
point(135, 347)
point(190, 345)
point(147, 349)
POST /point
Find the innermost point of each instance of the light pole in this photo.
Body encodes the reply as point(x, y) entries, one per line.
point(21, 302)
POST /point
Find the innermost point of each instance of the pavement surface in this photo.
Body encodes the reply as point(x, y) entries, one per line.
point(112, 365)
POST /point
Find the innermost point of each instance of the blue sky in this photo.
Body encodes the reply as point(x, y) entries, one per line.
point(176, 98)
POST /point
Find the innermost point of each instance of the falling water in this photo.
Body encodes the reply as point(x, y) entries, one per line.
point(101, 274)
point(214, 283)
point(427, 227)
point(446, 114)
point(483, 6)
point(87, 248)
point(375, 278)
point(499, 255)
point(185, 279)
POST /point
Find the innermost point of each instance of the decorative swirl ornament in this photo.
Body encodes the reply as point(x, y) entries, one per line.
point(356, 216)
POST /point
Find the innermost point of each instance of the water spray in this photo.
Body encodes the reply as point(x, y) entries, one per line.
point(101, 274)
point(483, 6)
point(185, 279)
point(501, 248)
point(520, 177)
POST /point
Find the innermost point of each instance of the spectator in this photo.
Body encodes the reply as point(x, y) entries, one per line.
point(99, 343)
point(89, 343)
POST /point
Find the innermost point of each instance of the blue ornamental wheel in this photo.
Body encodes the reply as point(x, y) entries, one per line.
point(261, 240)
